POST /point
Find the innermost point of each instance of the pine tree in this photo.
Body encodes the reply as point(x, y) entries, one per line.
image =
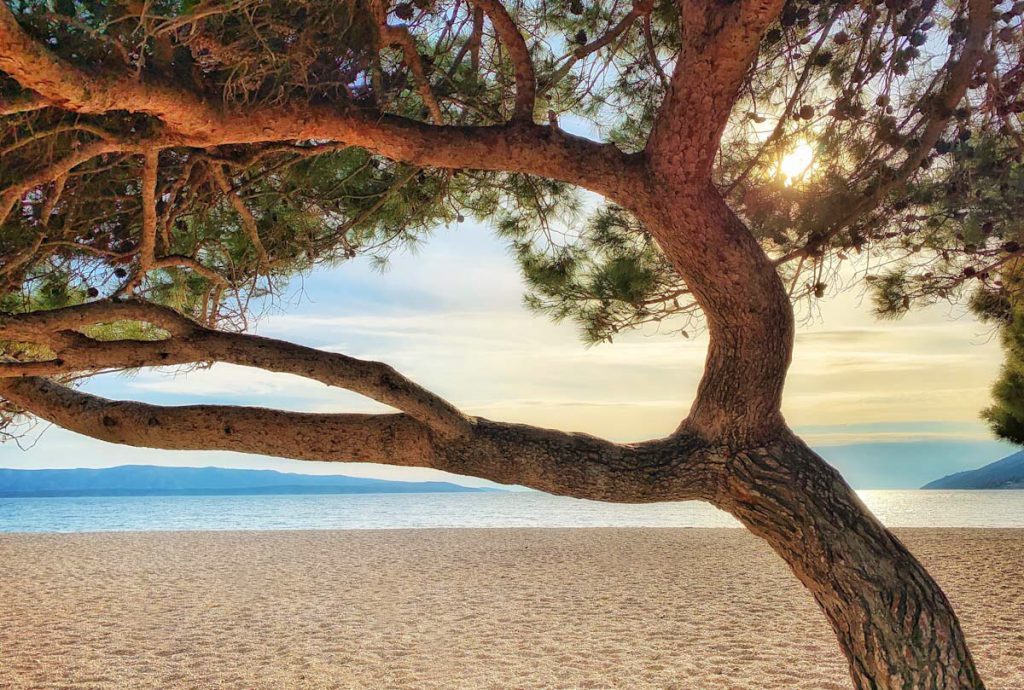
point(165, 166)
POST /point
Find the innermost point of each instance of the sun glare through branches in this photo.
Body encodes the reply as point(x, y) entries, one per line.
point(797, 164)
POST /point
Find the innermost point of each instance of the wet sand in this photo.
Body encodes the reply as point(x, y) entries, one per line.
point(511, 608)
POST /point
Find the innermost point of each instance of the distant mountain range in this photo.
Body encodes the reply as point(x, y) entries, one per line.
point(1007, 473)
point(150, 480)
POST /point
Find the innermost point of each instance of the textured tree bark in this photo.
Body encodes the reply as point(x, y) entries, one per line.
point(893, 622)
point(749, 316)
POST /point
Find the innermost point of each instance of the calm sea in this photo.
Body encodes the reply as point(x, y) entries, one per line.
point(511, 509)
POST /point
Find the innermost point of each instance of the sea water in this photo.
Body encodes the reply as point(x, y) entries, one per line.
point(489, 509)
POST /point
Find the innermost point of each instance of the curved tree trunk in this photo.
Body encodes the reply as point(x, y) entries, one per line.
point(893, 622)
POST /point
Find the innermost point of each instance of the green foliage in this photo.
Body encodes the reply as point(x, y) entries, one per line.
point(891, 299)
point(959, 228)
point(610, 278)
point(1005, 309)
point(1006, 414)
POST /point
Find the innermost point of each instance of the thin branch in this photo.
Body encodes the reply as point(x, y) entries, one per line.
point(180, 261)
point(471, 46)
point(509, 35)
point(400, 36)
point(147, 241)
point(52, 199)
point(10, 196)
point(248, 220)
point(652, 52)
point(147, 235)
point(641, 8)
point(36, 136)
point(377, 205)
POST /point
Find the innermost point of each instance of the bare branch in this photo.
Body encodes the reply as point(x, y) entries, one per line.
point(557, 462)
point(147, 237)
point(471, 46)
point(400, 36)
point(248, 220)
point(192, 342)
point(148, 261)
point(36, 136)
point(147, 241)
point(179, 261)
point(652, 52)
point(510, 37)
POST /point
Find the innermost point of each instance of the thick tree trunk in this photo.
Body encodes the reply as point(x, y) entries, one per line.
point(748, 312)
point(893, 622)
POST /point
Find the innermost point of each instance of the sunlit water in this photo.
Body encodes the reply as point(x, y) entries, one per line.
point(512, 509)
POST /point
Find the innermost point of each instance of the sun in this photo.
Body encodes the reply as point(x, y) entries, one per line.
point(794, 166)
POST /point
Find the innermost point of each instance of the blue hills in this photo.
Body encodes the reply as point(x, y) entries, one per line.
point(1007, 473)
point(151, 480)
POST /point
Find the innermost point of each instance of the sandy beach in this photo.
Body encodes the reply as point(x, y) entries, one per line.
point(594, 608)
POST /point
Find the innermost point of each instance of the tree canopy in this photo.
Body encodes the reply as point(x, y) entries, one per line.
point(911, 165)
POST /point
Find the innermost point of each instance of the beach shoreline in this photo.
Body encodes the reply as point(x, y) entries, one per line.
point(457, 608)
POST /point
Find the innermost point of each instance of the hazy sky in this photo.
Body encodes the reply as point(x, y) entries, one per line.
point(893, 404)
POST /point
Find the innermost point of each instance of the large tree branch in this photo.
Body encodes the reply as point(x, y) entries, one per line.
point(552, 461)
point(395, 438)
point(720, 41)
point(191, 342)
point(519, 146)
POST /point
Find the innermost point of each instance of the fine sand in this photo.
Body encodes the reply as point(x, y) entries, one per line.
point(594, 608)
